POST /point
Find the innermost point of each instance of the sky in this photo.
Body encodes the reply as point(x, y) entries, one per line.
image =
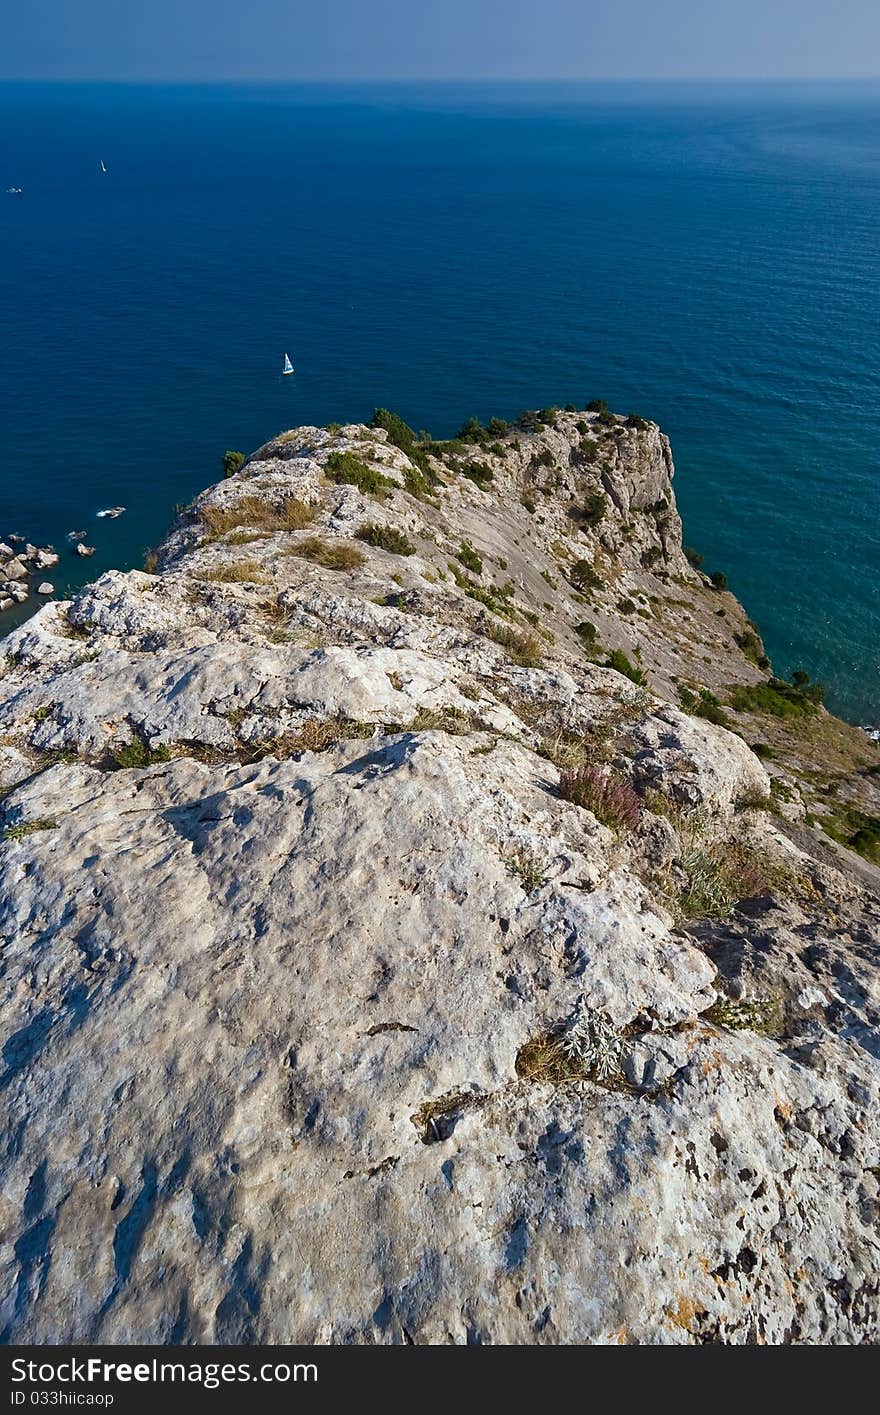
point(437, 39)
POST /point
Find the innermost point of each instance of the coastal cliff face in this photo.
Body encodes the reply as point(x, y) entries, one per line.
point(424, 920)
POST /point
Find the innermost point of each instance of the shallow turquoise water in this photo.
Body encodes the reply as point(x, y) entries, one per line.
point(706, 256)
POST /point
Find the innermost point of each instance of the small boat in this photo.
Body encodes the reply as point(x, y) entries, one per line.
point(288, 366)
point(103, 168)
point(111, 511)
point(13, 191)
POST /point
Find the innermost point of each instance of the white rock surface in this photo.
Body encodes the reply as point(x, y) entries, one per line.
point(290, 900)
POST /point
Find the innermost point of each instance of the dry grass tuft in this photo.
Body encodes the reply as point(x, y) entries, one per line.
point(332, 554)
point(522, 646)
point(242, 572)
point(256, 514)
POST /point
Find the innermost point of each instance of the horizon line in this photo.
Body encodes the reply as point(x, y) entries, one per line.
point(330, 80)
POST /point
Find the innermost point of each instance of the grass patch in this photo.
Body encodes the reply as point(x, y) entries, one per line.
point(527, 868)
point(442, 719)
point(255, 514)
point(521, 645)
point(469, 558)
point(25, 828)
point(242, 572)
point(386, 538)
point(332, 554)
point(138, 753)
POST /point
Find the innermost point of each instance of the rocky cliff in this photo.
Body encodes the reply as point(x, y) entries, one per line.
point(424, 919)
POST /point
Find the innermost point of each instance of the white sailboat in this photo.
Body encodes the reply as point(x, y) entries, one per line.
point(288, 366)
point(103, 168)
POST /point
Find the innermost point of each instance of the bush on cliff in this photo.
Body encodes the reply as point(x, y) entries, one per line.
point(386, 538)
point(419, 479)
point(618, 660)
point(348, 470)
point(232, 463)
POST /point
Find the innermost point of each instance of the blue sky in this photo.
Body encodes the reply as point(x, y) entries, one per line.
point(438, 39)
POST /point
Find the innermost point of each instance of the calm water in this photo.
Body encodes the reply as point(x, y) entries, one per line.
point(708, 257)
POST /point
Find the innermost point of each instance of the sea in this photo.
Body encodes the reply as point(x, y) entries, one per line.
point(705, 255)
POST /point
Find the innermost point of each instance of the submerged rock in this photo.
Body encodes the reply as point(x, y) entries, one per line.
point(381, 965)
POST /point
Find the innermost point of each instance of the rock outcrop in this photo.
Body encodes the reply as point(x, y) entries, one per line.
point(401, 939)
point(19, 563)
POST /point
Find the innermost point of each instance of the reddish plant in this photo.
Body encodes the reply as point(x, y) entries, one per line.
point(608, 795)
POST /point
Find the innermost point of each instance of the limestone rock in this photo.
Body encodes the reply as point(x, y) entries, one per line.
point(296, 909)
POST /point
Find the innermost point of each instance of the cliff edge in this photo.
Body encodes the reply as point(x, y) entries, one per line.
point(424, 918)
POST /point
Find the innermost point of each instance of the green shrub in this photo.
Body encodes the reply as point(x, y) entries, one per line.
point(693, 557)
point(650, 556)
point(544, 458)
point(497, 427)
point(637, 421)
point(478, 472)
point(420, 479)
point(814, 692)
point(863, 835)
point(775, 699)
point(529, 504)
point(232, 463)
point(763, 751)
point(583, 576)
point(588, 635)
point(594, 508)
point(469, 558)
point(626, 606)
point(704, 704)
point(348, 470)
point(472, 431)
point(530, 422)
point(548, 416)
point(138, 753)
point(618, 660)
point(719, 580)
point(750, 644)
point(598, 405)
point(386, 538)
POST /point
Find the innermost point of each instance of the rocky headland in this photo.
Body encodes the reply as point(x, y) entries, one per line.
point(425, 918)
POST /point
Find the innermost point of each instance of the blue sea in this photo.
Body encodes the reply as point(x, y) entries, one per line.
point(707, 256)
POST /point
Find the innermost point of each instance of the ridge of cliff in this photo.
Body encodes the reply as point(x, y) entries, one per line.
point(426, 918)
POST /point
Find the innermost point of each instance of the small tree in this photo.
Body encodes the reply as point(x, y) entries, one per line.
point(232, 463)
